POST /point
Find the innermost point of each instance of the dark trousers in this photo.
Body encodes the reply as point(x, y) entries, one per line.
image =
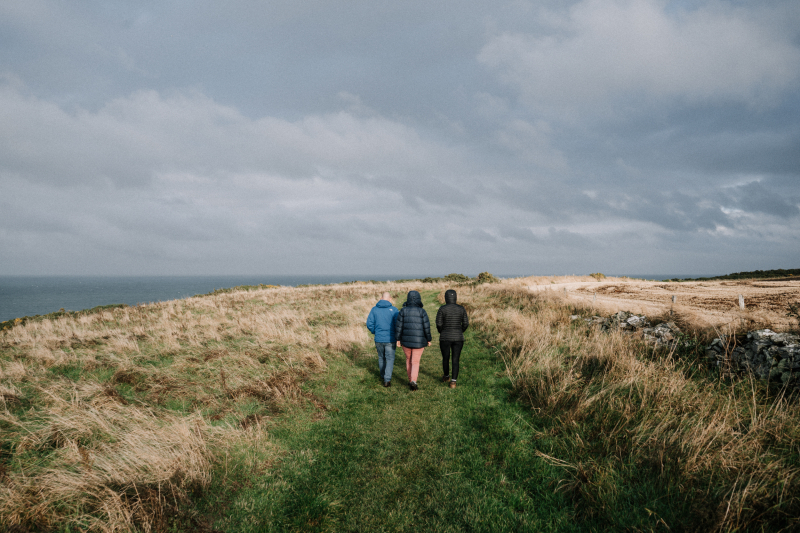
point(446, 347)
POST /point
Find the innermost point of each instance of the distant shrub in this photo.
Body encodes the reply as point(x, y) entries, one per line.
point(598, 276)
point(483, 277)
point(486, 277)
point(755, 274)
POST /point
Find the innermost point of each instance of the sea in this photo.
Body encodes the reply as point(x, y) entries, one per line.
point(39, 295)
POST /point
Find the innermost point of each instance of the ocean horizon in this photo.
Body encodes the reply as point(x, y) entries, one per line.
point(39, 295)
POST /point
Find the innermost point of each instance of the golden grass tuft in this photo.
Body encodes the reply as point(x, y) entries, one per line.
point(111, 466)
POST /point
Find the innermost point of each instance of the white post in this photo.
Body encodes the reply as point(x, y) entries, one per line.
point(741, 302)
point(674, 298)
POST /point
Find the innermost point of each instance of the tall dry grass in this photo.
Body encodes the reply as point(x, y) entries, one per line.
point(111, 421)
point(625, 415)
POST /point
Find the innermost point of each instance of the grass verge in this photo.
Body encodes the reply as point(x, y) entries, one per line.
point(641, 436)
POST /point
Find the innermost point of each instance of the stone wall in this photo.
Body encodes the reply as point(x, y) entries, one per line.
point(766, 354)
point(662, 335)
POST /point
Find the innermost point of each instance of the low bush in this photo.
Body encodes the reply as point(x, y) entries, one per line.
point(486, 277)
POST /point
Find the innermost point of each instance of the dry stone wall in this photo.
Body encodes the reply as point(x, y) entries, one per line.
point(764, 353)
point(662, 335)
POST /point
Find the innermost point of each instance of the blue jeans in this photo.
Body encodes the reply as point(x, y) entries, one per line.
point(386, 359)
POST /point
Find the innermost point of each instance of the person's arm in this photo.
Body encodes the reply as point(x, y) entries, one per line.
point(439, 319)
point(398, 327)
point(464, 320)
point(393, 325)
point(371, 321)
point(426, 326)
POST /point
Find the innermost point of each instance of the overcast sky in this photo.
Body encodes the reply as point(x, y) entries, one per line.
point(416, 137)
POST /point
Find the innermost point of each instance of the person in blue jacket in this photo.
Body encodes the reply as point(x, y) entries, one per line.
point(381, 322)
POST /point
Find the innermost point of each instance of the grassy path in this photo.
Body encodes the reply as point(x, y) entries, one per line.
point(392, 460)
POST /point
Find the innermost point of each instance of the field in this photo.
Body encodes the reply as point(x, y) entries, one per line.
point(260, 409)
point(705, 304)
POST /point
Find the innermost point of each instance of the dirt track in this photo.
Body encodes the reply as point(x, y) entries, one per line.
point(711, 302)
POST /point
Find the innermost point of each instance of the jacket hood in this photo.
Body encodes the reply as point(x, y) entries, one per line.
point(413, 300)
point(450, 297)
point(383, 303)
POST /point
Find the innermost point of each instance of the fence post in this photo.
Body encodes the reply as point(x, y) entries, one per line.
point(741, 302)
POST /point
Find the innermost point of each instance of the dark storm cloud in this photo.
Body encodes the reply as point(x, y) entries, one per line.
point(677, 212)
point(158, 137)
point(756, 197)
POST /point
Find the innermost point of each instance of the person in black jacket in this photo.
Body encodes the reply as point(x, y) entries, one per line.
point(451, 322)
point(413, 332)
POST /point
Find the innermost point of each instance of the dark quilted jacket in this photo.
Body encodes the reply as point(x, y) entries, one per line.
point(451, 319)
point(413, 329)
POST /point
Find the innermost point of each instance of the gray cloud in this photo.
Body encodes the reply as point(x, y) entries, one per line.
point(597, 52)
point(399, 138)
point(756, 197)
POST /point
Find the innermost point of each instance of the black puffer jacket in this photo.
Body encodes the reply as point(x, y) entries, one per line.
point(413, 329)
point(451, 319)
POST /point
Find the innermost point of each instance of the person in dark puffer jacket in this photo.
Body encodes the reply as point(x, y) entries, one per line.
point(451, 322)
point(413, 332)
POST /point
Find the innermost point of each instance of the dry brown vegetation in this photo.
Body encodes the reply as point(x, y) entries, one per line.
point(111, 420)
point(705, 304)
point(729, 449)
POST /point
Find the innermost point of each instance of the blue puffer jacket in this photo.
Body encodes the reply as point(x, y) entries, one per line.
point(413, 329)
point(381, 321)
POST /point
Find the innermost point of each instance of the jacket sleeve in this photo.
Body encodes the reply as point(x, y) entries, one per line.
point(464, 319)
point(398, 325)
point(371, 321)
point(426, 325)
point(439, 319)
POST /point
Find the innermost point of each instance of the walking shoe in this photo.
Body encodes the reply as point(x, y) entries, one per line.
point(445, 379)
point(413, 385)
point(387, 383)
point(452, 384)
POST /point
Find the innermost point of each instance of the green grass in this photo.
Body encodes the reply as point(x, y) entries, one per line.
point(388, 459)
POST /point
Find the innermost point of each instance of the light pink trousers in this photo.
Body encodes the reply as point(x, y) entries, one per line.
point(413, 357)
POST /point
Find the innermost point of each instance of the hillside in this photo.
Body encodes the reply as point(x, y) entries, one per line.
point(261, 410)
